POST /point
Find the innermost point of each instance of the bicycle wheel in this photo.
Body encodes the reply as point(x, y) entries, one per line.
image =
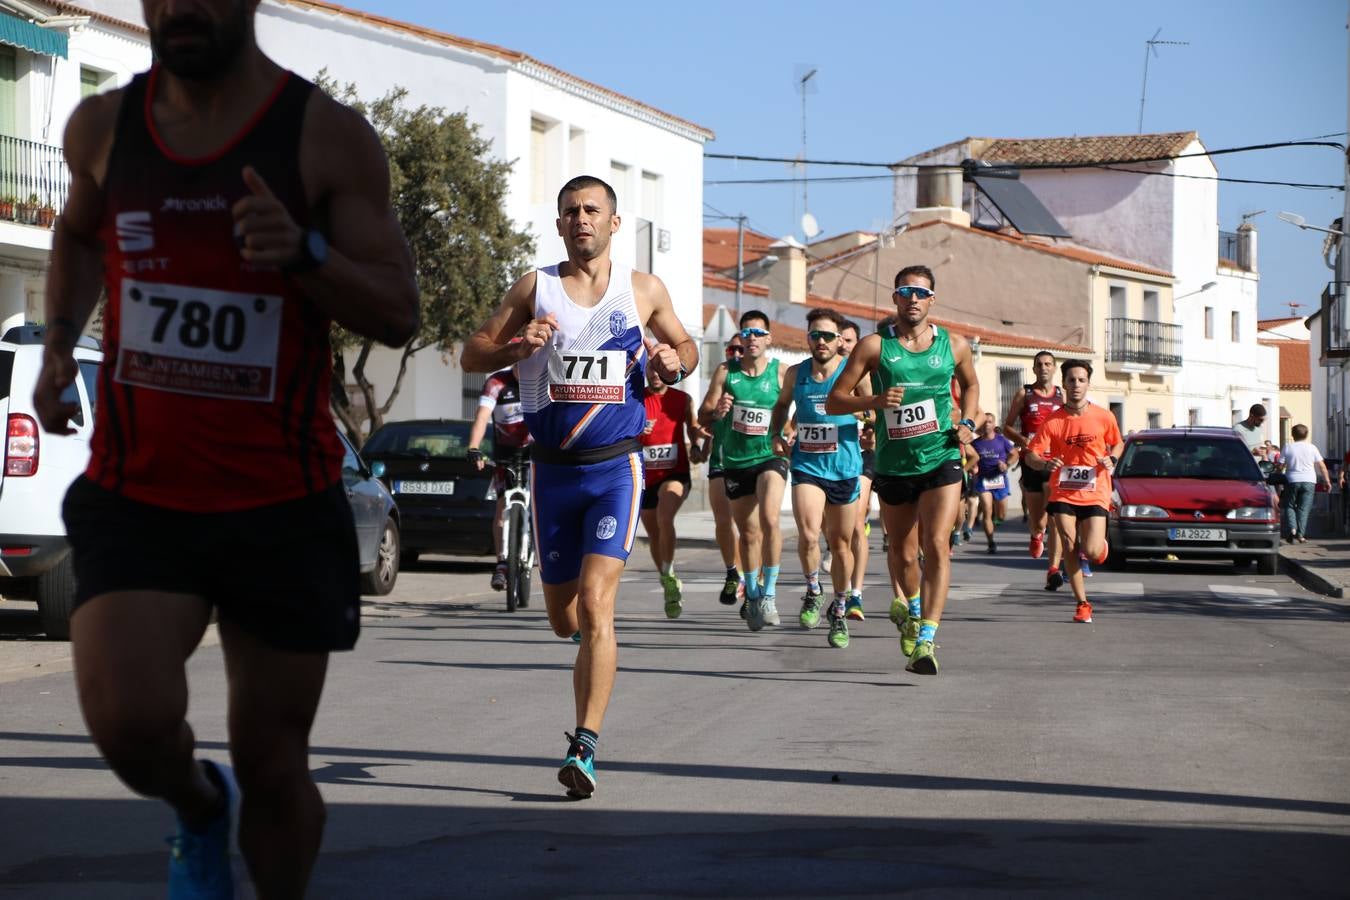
point(515, 533)
point(525, 564)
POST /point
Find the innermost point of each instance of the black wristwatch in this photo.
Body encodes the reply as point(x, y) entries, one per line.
point(313, 252)
point(679, 377)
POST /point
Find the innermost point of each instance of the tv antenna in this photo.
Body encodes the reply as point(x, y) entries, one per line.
point(1293, 307)
point(805, 73)
point(1151, 47)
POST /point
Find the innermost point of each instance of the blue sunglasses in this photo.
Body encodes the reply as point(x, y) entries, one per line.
point(748, 333)
point(910, 290)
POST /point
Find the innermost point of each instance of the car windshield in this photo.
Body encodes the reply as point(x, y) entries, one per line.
point(427, 440)
point(1189, 456)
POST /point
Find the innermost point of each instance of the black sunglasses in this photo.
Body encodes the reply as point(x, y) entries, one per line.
point(737, 350)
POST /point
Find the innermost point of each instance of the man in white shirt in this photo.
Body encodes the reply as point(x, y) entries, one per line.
point(1305, 469)
point(1252, 430)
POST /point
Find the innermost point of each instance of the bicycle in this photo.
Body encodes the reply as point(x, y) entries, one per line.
point(517, 529)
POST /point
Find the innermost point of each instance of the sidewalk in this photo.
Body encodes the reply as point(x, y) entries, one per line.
point(1321, 565)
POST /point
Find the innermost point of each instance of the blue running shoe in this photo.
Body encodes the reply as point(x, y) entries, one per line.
point(576, 637)
point(577, 773)
point(1085, 566)
point(199, 861)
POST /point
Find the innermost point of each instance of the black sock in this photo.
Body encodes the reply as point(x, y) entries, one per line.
point(583, 743)
point(732, 573)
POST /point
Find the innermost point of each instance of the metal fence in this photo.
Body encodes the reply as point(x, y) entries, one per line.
point(32, 176)
point(1141, 341)
point(1228, 246)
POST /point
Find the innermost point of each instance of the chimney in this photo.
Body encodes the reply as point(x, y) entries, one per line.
point(938, 197)
point(786, 279)
point(1246, 246)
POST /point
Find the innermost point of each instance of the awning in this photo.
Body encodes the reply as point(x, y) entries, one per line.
point(18, 33)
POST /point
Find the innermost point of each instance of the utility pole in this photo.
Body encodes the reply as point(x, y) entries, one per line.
point(740, 261)
point(1151, 46)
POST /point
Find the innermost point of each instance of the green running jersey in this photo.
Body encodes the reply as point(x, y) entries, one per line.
point(748, 441)
point(918, 436)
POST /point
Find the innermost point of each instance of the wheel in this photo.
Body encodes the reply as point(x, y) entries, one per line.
point(1268, 564)
point(515, 538)
point(380, 580)
point(55, 596)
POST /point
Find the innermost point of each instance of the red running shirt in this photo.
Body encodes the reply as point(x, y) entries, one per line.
point(663, 441)
point(214, 391)
point(1036, 409)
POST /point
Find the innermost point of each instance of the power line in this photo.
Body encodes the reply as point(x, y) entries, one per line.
point(846, 179)
point(796, 160)
point(1332, 187)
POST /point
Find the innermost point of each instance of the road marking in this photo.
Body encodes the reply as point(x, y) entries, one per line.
point(1247, 594)
point(976, 592)
point(1124, 588)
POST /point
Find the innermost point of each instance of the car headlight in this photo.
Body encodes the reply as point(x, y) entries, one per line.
point(1142, 511)
point(1252, 514)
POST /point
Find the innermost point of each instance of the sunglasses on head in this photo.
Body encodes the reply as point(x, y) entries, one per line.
point(911, 290)
point(736, 349)
point(823, 335)
point(748, 333)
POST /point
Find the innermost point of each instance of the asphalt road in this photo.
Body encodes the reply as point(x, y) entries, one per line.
point(1192, 741)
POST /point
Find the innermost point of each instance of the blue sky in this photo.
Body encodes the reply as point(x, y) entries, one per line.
point(899, 77)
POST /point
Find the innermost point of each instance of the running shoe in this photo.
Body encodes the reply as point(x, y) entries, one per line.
point(810, 614)
point(499, 577)
point(731, 591)
point(769, 610)
point(577, 773)
point(993, 546)
point(955, 540)
point(744, 611)
point(1037, 548)
point(1054, 580)
point(853, 608)
point(672, 585)
point(909, 634)
point(965, 535)
point(576, 637)
point(923, 661)
point(199, 861)
point(885, 543)
point(838, 636)
point(899, 609)
point(1084, 612)
point(754, 614)
point(1085, 566)
point(867, 528)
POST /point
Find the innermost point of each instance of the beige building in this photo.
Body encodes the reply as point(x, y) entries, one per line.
point(1290, 336)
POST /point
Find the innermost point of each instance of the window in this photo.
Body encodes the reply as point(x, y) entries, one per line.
point(645, 244)
point(576, 152)
point(8, 76)
point(1010, 381)
point(651, 197)
point(618, 179)
point(1118, 410)
point(472, 388)
point(540, 164)
point(1209, 322)
point(1119, 307)
point(92, 81)
point(1151, 306)
point(1193, 416)
point(1235, 323)
point(1154, 419)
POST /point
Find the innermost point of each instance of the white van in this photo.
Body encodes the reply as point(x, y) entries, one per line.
point(35, 559)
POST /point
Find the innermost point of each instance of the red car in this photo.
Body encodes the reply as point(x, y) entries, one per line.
point(1196, 493)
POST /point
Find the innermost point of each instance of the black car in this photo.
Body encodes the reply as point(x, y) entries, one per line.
point(446, 503)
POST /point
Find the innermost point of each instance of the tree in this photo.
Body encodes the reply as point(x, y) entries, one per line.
point(448, 193)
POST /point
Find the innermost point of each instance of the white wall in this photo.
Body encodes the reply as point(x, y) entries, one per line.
point(1121, 213)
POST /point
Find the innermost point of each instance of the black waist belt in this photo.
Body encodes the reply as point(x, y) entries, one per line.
point(556, 457)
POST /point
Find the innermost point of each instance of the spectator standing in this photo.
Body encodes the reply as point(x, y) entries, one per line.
point(1305, 469)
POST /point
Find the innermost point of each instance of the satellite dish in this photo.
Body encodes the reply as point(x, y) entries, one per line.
point(810, 227)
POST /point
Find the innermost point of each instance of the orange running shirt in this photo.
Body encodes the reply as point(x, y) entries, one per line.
point(1079, 441)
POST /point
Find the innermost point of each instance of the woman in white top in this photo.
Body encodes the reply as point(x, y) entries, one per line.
point(1304, 468)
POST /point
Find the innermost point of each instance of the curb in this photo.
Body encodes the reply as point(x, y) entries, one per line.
point(1310, 578)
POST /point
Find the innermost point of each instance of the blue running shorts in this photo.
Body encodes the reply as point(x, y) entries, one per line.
point(581, 509)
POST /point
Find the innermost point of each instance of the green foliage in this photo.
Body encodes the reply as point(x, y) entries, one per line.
point(449, 195)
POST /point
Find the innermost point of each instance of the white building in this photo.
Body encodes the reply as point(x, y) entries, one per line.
point(551, 124)
point(1119, 194)
point(48, 62)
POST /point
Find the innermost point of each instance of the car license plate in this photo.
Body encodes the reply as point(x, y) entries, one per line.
point(1197, 534)
point(424, 487)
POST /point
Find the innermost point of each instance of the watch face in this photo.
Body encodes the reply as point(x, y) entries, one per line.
point(316, 246)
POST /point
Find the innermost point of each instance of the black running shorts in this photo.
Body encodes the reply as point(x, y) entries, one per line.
point(742, 482)
point(1078, 511)
point(1033, 480)
point(897, 490)
point(651, 495)
point(288, 573)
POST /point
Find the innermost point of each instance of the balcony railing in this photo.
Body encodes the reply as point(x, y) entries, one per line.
point(1143, 342)
point(34, 181)
point(1335, 322)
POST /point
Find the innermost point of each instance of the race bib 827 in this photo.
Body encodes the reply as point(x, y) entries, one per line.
point(659, 456)
point(193, 340)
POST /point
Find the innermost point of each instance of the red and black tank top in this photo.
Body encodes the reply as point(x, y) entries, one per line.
point(663, 438)
point(1036, 409)
point(214, 390)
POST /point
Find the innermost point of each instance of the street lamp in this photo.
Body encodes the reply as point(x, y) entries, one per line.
point(1200, 290)
point(1300, 222)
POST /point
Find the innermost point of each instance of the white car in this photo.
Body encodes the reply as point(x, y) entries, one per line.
point(38, 468)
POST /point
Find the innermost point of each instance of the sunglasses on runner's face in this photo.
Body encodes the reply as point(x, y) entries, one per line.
point(736, 349)
point(823, 335)
point(748, 333)
point(911, 290)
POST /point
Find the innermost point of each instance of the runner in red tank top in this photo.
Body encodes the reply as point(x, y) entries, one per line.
point(1030, 407)
point(230, 235)
point(665, 458)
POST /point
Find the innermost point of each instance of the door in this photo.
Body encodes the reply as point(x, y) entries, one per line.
point(367, 504)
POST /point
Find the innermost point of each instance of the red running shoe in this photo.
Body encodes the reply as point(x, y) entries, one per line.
point(1037, 548)
point(1083, 613)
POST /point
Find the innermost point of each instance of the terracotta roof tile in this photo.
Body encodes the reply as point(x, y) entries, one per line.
point(74, 9)
point(712, 279)
point(1277, 323)
point(513, 56)
point(719, 247)
point(1077, 150)
point(1295, 367)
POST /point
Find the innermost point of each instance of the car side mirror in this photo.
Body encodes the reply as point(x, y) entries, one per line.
point(377, 469)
